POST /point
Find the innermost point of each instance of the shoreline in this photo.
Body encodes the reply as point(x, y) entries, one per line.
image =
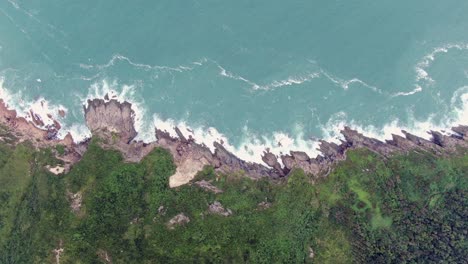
point(114, 121)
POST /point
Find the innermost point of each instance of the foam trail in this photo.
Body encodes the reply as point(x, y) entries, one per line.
point(416, 90)
point(118, 57)
point(428, 59)
point(346, 83)
point(291, 80)
point(225, 73)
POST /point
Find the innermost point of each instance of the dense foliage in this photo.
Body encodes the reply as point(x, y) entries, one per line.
point(407, 209)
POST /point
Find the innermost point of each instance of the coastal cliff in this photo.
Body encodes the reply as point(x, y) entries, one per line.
point(113, 122)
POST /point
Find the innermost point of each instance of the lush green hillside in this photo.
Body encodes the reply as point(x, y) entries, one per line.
point(411, 208)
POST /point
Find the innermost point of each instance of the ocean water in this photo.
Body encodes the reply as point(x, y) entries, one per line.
point(255, 74)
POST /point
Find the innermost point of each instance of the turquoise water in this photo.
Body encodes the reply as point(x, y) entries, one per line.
point(250, 72)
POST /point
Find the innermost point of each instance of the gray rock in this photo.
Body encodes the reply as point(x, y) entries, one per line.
point(217, 208)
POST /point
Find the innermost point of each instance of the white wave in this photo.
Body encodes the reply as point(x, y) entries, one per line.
point(457, 116)
point(291, 80)
point(251, 147)
point(345, 84)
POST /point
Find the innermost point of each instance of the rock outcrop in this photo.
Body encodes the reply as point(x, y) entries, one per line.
point(217, 208)
point(111, 117)
point(178, 220)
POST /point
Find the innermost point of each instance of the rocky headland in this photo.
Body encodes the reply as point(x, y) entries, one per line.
point(113, 122)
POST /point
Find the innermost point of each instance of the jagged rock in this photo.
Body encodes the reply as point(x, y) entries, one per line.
point(111, 117)
point(437, 138)
point(271, 160)
point(180, 135)
point(450, 143)
point(230, 163)
point(357, 140)
point(401, 143)
point(300, 155)
point(217, 208)
point(178, 220)
point(288, 162)
point(422, 143)
point(208, 186)
point(330, 149)
point(311, 166)
point(462, 130)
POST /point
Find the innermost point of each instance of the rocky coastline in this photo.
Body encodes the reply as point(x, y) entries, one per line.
point(113, 122)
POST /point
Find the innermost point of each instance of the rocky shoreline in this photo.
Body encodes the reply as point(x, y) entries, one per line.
point(105, 118)
point(113, 122)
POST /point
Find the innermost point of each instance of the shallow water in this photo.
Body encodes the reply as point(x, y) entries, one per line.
point(256, 74)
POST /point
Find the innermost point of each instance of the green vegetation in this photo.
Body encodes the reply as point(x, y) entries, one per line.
point(407, 209)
